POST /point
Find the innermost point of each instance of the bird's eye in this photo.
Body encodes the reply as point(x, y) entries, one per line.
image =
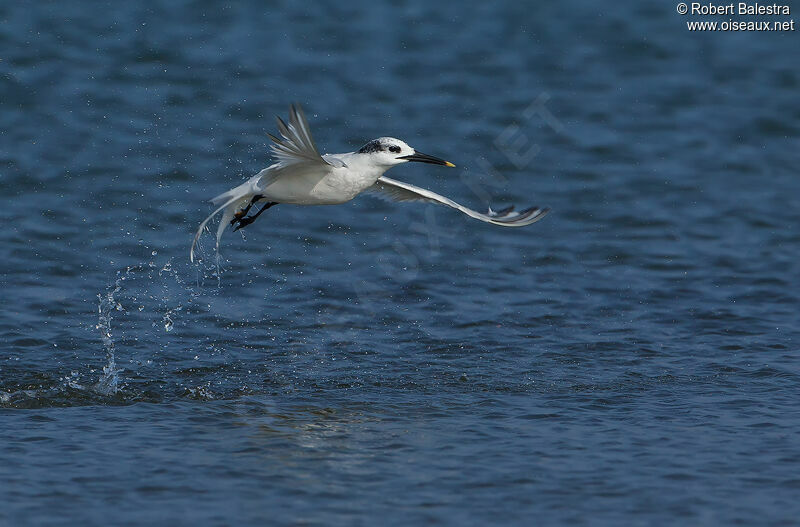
point(395, 149)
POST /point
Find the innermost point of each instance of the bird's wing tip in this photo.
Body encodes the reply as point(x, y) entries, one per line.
point(508, 217)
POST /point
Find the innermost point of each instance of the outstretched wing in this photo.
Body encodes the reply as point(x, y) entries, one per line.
point(296, 144)
point(399, 191)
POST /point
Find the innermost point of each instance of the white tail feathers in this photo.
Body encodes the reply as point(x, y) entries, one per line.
point(231, 201)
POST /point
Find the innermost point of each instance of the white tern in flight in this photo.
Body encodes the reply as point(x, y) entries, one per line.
point(302, 176)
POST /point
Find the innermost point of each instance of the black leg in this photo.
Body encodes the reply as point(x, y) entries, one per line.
point(242, 213)
point(244, 222)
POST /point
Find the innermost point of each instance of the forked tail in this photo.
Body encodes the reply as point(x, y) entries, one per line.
point(232, 201)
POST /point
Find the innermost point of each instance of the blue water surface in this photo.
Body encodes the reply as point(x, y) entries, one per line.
point(629, 360)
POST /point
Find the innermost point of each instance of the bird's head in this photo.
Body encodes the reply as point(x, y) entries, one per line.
point(388, 152)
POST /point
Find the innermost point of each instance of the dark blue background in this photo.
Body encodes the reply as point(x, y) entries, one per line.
point(631, 359)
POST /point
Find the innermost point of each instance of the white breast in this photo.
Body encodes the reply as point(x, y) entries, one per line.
point(319, 185)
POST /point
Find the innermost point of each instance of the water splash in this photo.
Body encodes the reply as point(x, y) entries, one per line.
point(167, 320)
point(168, 304)
point(107, 304)
point(215, 268)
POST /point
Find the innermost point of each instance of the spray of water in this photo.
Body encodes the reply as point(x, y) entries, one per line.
point(109, 303)
point(106, 306)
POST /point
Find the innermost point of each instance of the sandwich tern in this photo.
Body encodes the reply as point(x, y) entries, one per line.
point(303, 176)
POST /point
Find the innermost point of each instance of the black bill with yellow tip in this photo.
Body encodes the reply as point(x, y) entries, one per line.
point(425, 158)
